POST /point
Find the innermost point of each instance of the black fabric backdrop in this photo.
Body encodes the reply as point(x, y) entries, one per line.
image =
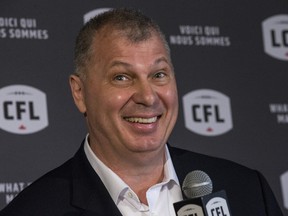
point(237, 109)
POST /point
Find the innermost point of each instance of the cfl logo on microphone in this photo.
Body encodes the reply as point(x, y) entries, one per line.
point(207, 112)
point(190, 210)
point(217, 207)
point(275, 36)
point(23, 109)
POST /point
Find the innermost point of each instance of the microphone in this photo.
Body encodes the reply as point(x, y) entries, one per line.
point(197, 187)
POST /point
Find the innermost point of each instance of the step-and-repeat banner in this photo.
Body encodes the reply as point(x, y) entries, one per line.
point(231, 63)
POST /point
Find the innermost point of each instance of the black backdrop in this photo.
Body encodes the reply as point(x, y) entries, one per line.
point(232, 66)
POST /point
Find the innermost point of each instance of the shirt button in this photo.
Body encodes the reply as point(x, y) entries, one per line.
point(130, 194)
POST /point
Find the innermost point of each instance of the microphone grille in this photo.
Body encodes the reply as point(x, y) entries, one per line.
point(196, 184)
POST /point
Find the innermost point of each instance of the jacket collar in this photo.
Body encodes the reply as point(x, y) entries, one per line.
point(90, 194)
point(88, 191)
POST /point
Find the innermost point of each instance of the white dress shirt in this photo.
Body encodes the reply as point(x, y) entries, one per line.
point(160, 197)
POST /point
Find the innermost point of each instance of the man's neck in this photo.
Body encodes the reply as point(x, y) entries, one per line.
point(143, 179)
point(139, 172)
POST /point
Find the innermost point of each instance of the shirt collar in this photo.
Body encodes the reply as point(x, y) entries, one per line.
point(113, 183)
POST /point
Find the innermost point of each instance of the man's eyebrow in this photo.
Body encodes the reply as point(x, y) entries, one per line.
point(117, 63)
point(162, 59)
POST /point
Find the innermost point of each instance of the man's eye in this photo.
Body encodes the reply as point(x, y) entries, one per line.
point(160, 75)
point(121, 78)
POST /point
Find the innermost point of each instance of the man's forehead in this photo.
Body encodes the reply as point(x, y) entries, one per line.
point(114, 44)
point(109, 40)
point(109, 31)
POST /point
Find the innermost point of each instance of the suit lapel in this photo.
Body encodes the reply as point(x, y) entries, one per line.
point(88, 191)
point(184, 162)
point(90, 194)
point(178, 160)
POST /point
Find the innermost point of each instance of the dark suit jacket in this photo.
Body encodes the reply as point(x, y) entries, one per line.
point(75, 189)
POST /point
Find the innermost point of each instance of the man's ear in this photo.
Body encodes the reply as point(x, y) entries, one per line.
point(77, 89)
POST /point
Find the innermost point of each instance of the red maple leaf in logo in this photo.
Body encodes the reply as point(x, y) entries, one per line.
point(209, 129)
point(22, 127)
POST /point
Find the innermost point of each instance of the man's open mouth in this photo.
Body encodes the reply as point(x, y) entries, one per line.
point(141, 120)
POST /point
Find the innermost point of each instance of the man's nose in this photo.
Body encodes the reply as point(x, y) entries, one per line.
point(145, 94)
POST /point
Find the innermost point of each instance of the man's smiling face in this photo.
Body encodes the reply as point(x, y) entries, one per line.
point(129, 95)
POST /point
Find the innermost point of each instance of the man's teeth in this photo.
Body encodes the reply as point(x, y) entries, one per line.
point(142, 120)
